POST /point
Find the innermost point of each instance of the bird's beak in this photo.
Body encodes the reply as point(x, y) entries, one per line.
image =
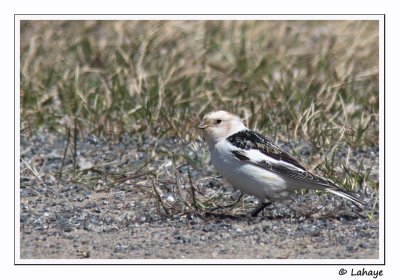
point(202, 125)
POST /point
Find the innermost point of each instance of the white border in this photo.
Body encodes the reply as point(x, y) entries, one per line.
point(382, 181)
point(335, 262)
point(197, 17)
point(18, 18)
point(17, 139)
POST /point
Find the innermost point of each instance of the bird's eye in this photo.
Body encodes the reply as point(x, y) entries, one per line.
point(218, 121)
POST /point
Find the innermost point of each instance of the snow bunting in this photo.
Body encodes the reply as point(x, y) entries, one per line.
point(253, 164)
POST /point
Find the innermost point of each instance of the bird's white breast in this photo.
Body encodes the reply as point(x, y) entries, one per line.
point(263, 184)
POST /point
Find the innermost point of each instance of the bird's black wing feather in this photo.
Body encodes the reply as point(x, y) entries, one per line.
point(295, 173)
point(247, 139)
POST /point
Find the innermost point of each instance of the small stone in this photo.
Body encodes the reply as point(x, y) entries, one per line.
point(121, 247)
point(170, 198)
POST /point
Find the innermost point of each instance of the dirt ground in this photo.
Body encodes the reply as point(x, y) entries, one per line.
point(65, 220)
point(111, 230)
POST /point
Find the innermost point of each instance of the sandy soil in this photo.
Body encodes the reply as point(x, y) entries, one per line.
point(60, 219)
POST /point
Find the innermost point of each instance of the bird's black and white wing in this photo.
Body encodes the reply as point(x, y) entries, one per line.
point(254, 148)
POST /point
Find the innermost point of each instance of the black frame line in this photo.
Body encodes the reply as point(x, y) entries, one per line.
point(225, 264)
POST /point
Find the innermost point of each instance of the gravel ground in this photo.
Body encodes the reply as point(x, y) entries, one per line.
point(88, 218)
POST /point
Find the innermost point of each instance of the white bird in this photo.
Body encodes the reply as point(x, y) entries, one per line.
point(253, 164)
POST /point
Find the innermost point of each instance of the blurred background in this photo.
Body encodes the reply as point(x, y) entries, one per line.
point(304, 77)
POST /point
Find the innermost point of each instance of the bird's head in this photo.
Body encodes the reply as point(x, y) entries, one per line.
point(219, 125)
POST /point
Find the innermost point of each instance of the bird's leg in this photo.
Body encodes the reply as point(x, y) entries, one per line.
point(260, 208)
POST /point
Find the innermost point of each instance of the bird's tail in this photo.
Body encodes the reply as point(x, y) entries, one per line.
point(345, 194)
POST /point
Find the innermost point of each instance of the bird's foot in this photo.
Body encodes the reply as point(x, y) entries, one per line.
point(260, 208)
